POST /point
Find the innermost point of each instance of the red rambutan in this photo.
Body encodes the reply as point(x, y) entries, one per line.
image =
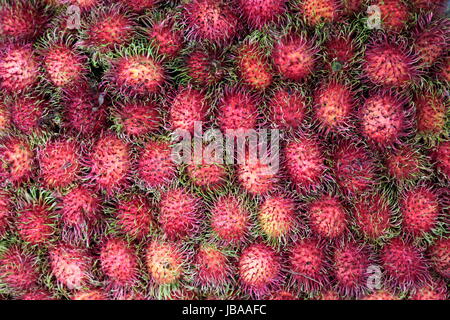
point(16, 160)
point(167, 39)
point(27, 113)
point(253, 66)
point(404, 164)
point(441, 156)
point(5, 118)
point(165, 262)
point(37, 294)
point(237, 110)
point(135, 216)
point(287, 109)
point(381, 295)
point(320, 11)
point(204, 67)
point(35, 222)
point(431, 113)
point(439, 254)
point(212, 266)
point(261, 12)
point(436, 290)
point(137, 118)
point(277, 217)
point(139, 5)
point(352, 6)
point(394, 14)
point(18, 269)
point(430, 40)
point(208, 175)
point(372, 215)
point(92, 294)
point(340, 52)
point(5, 211)
point(327, 217)
point(188, 106)
point(428, 5)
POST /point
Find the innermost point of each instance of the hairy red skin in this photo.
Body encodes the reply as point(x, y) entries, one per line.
point(204, 68)
point(82, 112)
point(212, 266)
point(257, 176)
point(21, 21)
point(354, 168)
point(71, 266)
point(38, 294)
point(327, 217)
point(352, 6)
point(259, 269)
point(388, 64)
point(441, 156)
point(79, 213)
point(5, 118)
point(428, 5)
point(282, 295)
point(439, 254)
point(207, 175)
point(60, 163)
point(138, 118)
point(136, 75)
point(211, 20)
point(110, 163)
point(139, 5)
point(261, 12)
point(431, 113)
point(404, 164)
point(165, 262)
point(420, 209)
point(155, 166)
point(19, 67)
point(6, 207)
point(277, 217)
point(27, 113)
point(334, 104)
point(135, 217)
point(237, 110)
point(383, 119)
point(308, 264)
point(381, 295)
point(64, 65)
point(304, 162)
point(230, 220)
point(320, 11)
point(35, 223)
point(329, 295)
point(119, 263)
point(436, 290)
point(351, 262)
point(18, 269)
point(294, 57)
point(287, 109)
point(394, 14)
point(188, 106)
point(179, 215)
point(340, 51)
point(403, 264)
point(430, 41)
point(372, 215)
point(93, 294)
point(253, 66)
point(167, 39)
point(16, 159)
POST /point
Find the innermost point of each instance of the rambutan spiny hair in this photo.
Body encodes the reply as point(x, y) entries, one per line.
point(237, 110)
point(287, 108)
point(17, 160)
point(28, 112)
point(6, 207)
point(166, 36)
point(320, 11)
point(205, 66)
point(394, 14)
point(261, 12)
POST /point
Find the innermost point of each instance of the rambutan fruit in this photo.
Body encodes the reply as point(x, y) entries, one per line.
point(253, 67)
point(137, 118)
point(139, 5)
point(237, 110)
point(329, 295)
point(394, 14)
point(381, 295)
point(16, 160)
point(230, 220)
point(37, 294)
point(261, 12)
point(79, 211)
point(372, 215)
point(135, 74)
point(294, 57)
point(354, 168)
point(403, 263)
point(420, 210)
point(441, 156)
point(179, 214)
point(277, 217)
point(388, 64)
point(107, 28)
point(91, 294)
point(5, 211)
point(340, 51)
point(27, 113)
point(431, 113)
point(334, 104)
point(155, 166)
point(305, 163)
point(207, 175)
point(435, 290)
point(21, 20)
point(320, 11)
point(5, 118)
point(212, 267)
point(18, 269)
point(307, 264)
point(188, 106)
point(444, 72)
point(211, 20)
point(404, 164)
point(327, 217)
point(350, 263)
point(439, 254)
point(82, 112)
point(259, 270)
point(204, 67)
point(19, 67)
point(110, 163)
point(59, 163)
point(135, 216)
point(287, 109)
point(166, 38)
point(71, 266)
point(119, 263)
point(428, 5)
point(165, 262)
point(282, 295)
point(352, 6)
point(384, 119)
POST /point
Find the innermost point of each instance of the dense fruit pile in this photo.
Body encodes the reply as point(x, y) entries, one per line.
point(93, 205)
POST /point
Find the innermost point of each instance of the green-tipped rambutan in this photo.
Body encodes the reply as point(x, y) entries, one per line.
point(439, 254)
point(27, 113)
point(320, 11)
point(237, 110)
point(204, 67)
point(166, 38)
point(405, 164)
point(179, 214)
point(372, 214)
point(59, 163)
point(327, 217)
point(261, 12)
point(287, 109)
point(394, 14)
point(110, 163)
point(18, 269)
point(5, 211)
point(212, 267)
point(431, 113)
point(71, 266)
point(16, 160)
point(207, 175)
point(253, 67)
point(188, 106)
point(137, 118)
point(135, 216)
point(277, 217)
point(340, 52)
point(155, 166)
point(260, 270)
point(294, 57)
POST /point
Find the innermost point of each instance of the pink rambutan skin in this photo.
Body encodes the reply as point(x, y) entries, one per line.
point(319, 11)
point(439, 254)
point(204, 67)
point(207, 175)
point(257, 176)
point(237, 110)
point(394, 14)
point(138, 118)
point(35, 223)
point(441, 156)
point(340, 49)
point(327, 217)
point(404, 164)
point(18, 269)
point(6, 207)
point(92, 294)
point(261, 12)
point(435, 290)
point(253, 66)
point(27, 113)
point(168, 40)
point(165, 262)
point(287, 109)
point(277, 216)
point(135, 216)
point(188, 106)
point(212, 266)
point(372, 215)
point(431, 113)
